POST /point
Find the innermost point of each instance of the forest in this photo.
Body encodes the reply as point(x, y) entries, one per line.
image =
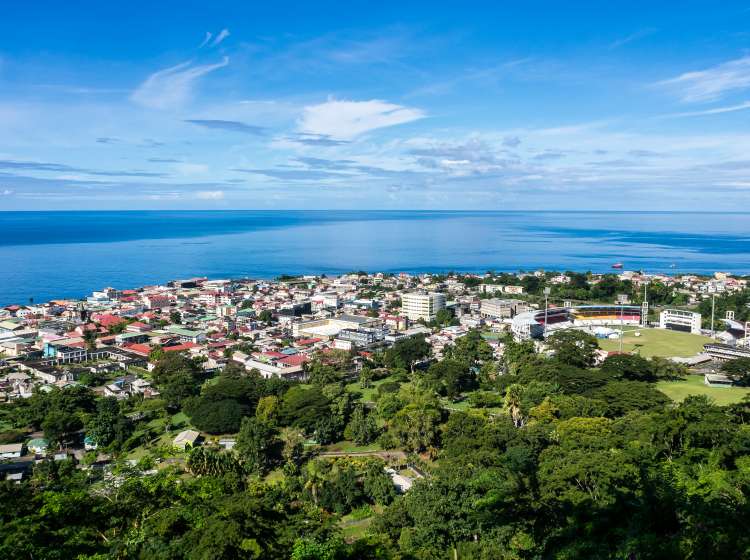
point(532, 456)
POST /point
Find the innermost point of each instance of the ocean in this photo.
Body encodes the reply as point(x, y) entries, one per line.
point(47, 255)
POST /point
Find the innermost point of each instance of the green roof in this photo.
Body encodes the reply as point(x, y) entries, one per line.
point(183, 331)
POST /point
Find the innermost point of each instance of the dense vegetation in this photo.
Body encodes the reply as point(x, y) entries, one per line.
point(532, 456)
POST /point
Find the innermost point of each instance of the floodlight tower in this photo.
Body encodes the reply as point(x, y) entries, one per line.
point(546, 295)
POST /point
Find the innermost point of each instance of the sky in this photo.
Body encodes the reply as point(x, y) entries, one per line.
point(361, 105)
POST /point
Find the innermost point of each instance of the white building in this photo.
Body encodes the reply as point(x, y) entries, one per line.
point(680, 320)
point(502, 308)
point(418, 306)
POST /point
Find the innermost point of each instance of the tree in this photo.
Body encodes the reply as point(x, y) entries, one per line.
point(265, 316)
point(255, 444)
point(574, 347)
point(89, 337)
point(738, 370)
point(58, 426)
point(416, 427)
point(632, 367)
point(471, 348)
point(205, 461)
point(108, 425)
point(406, 352)
point(513, 404)
point(450, 377)
point(362, 428)
point(267, 408)
point(215, 417)
point(177, 377)
point(175, 317)
point(303, 407)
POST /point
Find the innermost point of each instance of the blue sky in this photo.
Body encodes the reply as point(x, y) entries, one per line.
point(439, 105)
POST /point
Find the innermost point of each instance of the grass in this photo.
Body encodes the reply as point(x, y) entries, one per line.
point(657, 342)
point(368, 394)
point(694, 385)
point(355, 524)
point(351, 447)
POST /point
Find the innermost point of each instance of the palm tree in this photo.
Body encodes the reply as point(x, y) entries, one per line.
point(513, 396)
point(316, 478)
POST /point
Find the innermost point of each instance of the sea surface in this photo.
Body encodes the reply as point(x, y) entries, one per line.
point(47, 255)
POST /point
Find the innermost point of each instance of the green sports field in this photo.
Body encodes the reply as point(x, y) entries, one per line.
point(693, 385)
point(657, 342)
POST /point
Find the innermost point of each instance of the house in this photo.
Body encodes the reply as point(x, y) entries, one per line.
point(186, 439)
point(11, 450)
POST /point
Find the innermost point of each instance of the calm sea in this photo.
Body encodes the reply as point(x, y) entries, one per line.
point(48, 255)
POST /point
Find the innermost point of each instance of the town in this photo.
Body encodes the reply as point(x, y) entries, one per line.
point(112, 340)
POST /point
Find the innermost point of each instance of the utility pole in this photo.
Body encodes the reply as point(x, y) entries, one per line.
point(621, 333)
point(546, 295)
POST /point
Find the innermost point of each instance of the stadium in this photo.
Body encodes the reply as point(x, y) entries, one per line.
point(532, 323)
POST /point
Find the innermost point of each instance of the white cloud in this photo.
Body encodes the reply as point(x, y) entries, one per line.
point(347, 119)
point(206, 39)
point(210, 195)
point(172, 87)
point(223, 34)
point(6, 192)
point(714, 111)
point(713, 83)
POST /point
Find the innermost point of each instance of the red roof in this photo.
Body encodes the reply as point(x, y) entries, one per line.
point(180, 347)
point(142, 349)
point(294, 360)
point(108, 320)
point(274, 354)
point(307, 341)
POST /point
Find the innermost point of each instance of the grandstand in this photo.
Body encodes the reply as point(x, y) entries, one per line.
point(532, 323)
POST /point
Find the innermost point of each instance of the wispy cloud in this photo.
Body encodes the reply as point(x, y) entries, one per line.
point(632, 37)
point(340, 119)
point(714, 111)
point(294, 174)
point(107, 140)
point(223, 34)
point(63, 168)
point(172, 87)
point(713, 83)
point(320, 140)
point(206, 39)
point(231, 126)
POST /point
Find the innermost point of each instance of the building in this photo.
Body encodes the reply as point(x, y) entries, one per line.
point(332, 326)
point(502, 308)
point(418, 306)
point(680, 320)
point(186, 439)
point(725, 351)
point(361, 338)
point(11, 450)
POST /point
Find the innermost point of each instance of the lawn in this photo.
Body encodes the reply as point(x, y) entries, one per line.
point(657, 342)
point(368, 394)
point(693, 385)
point(351, 447)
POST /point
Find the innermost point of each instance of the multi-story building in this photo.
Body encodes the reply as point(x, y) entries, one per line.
point(680, 320)
point(502, 308)
point(418, 306)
